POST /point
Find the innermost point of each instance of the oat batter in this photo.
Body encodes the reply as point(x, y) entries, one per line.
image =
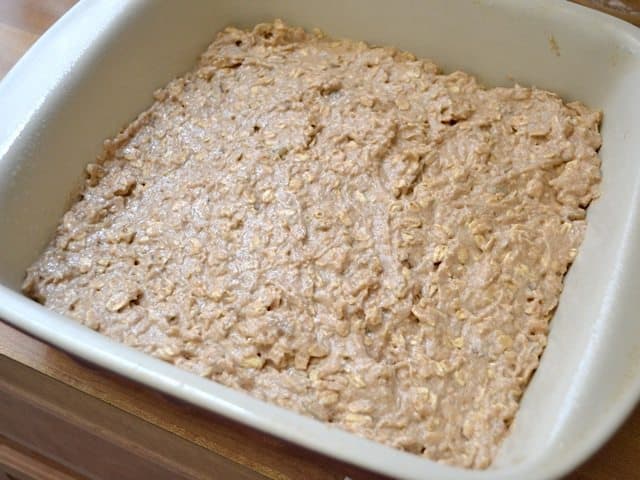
point(337, 229)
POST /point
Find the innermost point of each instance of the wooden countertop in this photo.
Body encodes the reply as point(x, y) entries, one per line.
point(54, 389)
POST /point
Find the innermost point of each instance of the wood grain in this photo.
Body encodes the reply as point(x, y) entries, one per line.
point(22, 22)
point(55, 392)
point(22, 464)
point(627, 10)
point(93, 438)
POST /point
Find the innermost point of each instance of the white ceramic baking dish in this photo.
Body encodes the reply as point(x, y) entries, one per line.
point(97, 67)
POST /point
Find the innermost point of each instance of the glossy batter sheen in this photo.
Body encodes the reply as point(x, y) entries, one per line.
point(338, 229)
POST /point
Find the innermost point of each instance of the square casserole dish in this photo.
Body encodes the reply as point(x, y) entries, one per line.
point(91, 73)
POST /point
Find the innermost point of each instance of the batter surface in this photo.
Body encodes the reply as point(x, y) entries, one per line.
point(338, 229)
